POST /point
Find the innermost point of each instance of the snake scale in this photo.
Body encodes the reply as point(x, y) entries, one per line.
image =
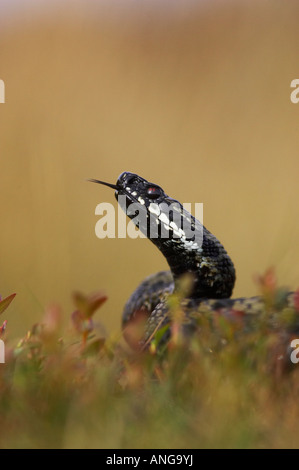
point(195, 252)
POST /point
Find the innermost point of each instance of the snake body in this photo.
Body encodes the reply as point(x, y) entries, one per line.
point(195, 252)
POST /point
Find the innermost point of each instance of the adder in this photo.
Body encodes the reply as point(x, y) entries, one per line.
point(192, 251)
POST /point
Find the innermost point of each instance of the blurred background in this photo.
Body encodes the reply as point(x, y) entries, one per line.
point(193, 95)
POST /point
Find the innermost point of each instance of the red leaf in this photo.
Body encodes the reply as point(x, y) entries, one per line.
point(87, 305)
point(5, 302)
point(3, 327)
point(296, 300)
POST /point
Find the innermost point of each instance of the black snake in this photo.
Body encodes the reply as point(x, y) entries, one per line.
point(195, 252)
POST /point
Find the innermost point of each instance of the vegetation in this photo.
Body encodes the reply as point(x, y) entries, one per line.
point(71, 387)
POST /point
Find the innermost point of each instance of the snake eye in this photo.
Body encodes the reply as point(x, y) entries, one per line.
point(153, 192)
point(130, 180)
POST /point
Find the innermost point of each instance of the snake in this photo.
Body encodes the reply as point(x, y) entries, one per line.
point(192, 252)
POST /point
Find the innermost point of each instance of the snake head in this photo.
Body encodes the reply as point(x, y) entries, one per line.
point(159, 217)
point(156, 214)
point(138, 189)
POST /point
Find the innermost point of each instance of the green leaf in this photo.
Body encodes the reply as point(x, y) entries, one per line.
point(160, 333)
point(5, 302)
point(94, 348)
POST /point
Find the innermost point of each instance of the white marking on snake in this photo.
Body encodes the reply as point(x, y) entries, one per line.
point(163, 217)
point(154, 209)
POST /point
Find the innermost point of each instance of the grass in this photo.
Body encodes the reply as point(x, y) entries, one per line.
point(72, 388)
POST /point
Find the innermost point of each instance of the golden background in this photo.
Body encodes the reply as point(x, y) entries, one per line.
point(196, 100)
